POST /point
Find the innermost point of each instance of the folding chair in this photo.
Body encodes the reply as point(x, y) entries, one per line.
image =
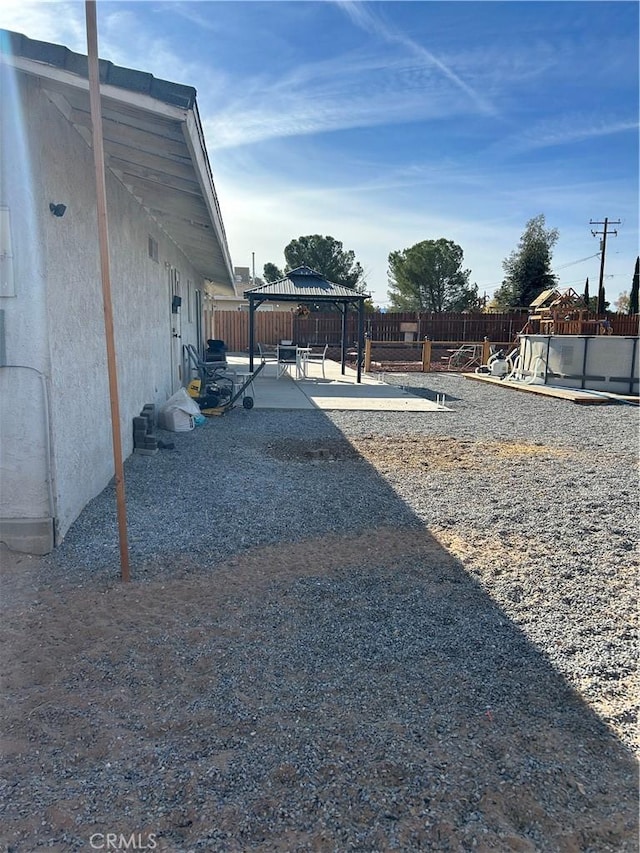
point(317, 358)
point(269, 355)
point(287, 355)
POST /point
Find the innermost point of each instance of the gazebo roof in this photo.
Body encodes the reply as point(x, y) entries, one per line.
point(304, 283)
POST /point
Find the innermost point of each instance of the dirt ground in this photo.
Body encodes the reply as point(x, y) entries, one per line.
point(94, 678)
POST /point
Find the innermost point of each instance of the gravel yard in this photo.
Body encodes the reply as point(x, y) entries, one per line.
point(347, 631)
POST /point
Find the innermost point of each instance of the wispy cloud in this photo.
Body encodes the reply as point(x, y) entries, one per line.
point(357, 89)
point(565, 130)
point(284, 112)
point(392, 80)
point(376, 25)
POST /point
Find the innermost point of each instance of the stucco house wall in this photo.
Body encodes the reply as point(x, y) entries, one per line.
point(56, 449)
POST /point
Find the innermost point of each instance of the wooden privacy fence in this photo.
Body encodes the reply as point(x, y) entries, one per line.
point(321, 328)
point(444, 326)
point(271, 327)
point(232, 327)
point(326, 327)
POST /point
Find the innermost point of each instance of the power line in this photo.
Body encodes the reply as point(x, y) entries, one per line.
point(581, 261)
point(561, 267)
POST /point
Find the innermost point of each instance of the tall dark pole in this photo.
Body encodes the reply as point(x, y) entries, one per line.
point(604, 233)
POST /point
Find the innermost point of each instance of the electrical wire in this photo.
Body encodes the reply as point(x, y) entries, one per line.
point(573, 263)
point(561, 267)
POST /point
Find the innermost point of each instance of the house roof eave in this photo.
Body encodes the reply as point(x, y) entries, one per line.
point(153, 140)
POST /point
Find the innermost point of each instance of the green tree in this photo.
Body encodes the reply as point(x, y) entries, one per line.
point(271, 273)
point(325, 255)
point(635, 288)
point(586, 297)
point(429, 277)
point(528, 268)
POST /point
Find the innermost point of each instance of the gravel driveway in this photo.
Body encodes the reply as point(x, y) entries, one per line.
point(346, 631)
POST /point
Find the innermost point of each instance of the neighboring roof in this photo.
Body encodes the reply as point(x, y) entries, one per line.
point(153, 142)
point(555, 298)
point(303, 283)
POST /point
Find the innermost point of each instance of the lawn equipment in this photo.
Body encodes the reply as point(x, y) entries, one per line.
point(216, 389)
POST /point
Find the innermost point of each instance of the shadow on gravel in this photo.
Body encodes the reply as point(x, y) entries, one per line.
point(299, 665)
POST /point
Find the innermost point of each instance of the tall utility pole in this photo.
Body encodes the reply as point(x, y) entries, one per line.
point(603, 242)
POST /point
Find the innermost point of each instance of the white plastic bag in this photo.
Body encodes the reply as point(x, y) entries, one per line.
point(179, 413)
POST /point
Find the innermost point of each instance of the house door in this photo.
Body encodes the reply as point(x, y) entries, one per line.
point(176, 329)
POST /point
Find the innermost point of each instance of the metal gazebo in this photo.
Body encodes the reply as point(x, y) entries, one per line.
point(302, 285)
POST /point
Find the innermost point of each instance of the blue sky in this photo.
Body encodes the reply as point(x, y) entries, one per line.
point(383, 124)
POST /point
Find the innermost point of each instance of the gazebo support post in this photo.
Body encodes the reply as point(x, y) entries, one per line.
point(251, 331)
point(343, 352)
point(360, 336)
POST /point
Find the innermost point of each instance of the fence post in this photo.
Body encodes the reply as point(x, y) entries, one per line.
point(426, 355)
point(367, 355)
point(486, 350)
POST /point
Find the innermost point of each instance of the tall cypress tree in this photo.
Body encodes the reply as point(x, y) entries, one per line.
point(633, 296)
point(585, 298)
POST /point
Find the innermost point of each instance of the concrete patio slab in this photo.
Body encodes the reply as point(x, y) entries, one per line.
point(283, 393)
point(334, 391)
